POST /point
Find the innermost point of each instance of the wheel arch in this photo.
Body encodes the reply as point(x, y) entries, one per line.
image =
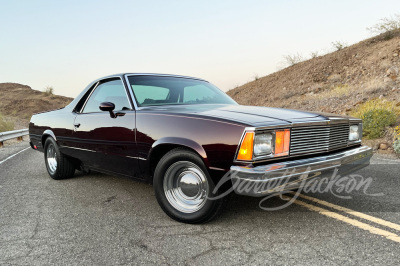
point(47, 133)
point(162, 146)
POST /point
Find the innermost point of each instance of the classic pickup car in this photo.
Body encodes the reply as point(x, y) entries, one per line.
point(187, 138)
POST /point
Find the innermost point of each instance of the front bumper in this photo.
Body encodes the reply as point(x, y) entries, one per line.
point(268, 179)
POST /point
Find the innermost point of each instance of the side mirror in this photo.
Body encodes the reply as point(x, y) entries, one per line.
point(108, 107)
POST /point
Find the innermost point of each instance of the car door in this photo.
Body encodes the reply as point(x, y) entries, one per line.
point(104, 142)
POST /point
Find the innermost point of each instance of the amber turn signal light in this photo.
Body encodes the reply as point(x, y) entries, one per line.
point(246, 148)
point(282, 142)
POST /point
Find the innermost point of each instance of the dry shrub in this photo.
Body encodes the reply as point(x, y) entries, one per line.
point(374, 85)
point(339, 45)
point(334, 78)
point(5, 126)
point(387, 26)
point(335, 91)
point(49, 91)
point(293, 59)
point(314, 54)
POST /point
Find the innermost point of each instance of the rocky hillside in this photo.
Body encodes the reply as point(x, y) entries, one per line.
point(336, 82)
point(339, 82)
point(18, 103)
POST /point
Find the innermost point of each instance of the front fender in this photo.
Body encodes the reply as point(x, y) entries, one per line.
point(181, 142)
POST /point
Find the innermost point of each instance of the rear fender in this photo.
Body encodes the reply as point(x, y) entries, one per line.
point(47, 133)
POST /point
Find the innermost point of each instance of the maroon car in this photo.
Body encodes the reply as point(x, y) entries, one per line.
point(193, 142)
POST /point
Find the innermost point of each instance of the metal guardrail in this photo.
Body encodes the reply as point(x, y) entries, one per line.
point(13, 134)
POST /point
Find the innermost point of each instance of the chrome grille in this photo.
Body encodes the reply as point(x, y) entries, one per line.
point(317, 139)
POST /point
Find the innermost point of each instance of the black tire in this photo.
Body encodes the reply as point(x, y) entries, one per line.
point(190, 165)
point(58, 165)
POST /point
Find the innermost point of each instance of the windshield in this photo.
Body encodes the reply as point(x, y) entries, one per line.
point(159, 90)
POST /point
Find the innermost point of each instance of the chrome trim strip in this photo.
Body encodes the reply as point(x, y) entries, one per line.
point(136, 157)
point(87, 98)
point(128, 84)
point(216, 168)
point(247, 129)
point(163, 75)
point(333, 158)
point(126, 93)
point(330, 121)
point(75, 148)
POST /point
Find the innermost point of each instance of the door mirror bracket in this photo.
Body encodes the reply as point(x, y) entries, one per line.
point(108, 107)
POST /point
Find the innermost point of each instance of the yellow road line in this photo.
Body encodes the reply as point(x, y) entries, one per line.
point(361, 225)
point(354, 213)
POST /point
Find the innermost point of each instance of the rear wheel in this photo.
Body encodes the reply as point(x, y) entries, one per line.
point(183, 188)
point(58, 165)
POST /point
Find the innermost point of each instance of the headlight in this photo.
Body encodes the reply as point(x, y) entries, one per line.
point(355, 132)
point(262, 144)
point(274, 143)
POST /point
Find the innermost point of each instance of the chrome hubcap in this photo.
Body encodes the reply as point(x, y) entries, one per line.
point(51, 156)
point(185, 187)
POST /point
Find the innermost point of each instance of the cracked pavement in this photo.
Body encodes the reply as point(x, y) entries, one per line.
point(97, 219)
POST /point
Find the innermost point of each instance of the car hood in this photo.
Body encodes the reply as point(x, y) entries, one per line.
point(249, 115)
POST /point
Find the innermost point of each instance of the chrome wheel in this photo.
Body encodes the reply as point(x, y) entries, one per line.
point(185, 186)
point(51, 156)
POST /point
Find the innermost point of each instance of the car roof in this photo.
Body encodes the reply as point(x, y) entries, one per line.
point(122, 75)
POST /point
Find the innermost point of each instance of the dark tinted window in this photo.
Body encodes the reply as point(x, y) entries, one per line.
point(158, 90)
point(110, 91)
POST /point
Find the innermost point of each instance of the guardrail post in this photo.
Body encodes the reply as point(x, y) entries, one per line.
point(18, 134)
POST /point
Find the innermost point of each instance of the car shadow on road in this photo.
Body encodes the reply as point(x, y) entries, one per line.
point(142, 194)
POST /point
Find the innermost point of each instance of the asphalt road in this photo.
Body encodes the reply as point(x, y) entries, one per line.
point(98, 219)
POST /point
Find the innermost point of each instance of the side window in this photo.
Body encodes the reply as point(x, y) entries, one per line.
point(110, 91)
point(150, 94)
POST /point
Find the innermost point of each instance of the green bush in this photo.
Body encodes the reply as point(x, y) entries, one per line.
point(376, 115)
point(5, 126)
point(396, 146)
point(375, 121)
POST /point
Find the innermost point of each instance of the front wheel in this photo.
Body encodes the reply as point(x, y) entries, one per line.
point(183, 188)
point(57, 164)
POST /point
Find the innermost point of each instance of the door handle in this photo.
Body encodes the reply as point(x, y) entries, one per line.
point(76, 125)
